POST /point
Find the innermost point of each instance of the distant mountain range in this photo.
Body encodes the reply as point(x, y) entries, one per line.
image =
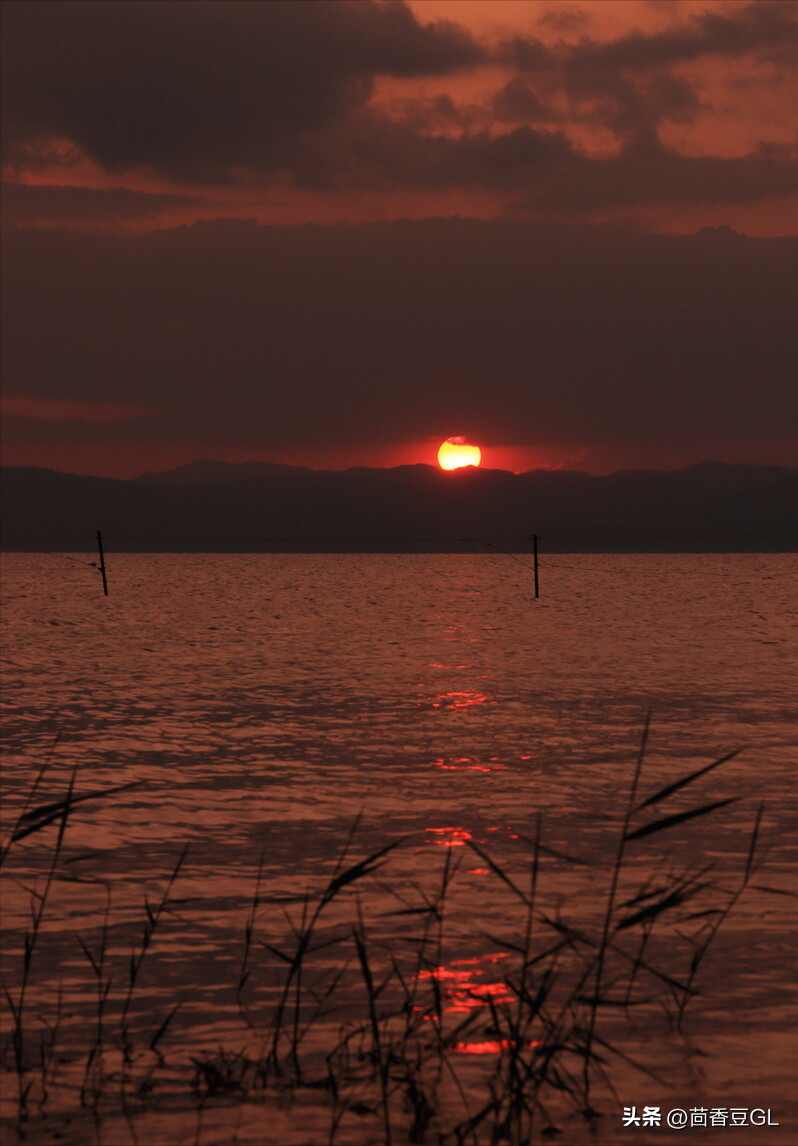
point(212, 506)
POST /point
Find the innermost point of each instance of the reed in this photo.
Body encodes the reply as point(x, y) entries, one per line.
point(249, 931)
point(137, 955)
point(705, 941)
point(398, 1060)
point(91, 1088)
point(29, 822)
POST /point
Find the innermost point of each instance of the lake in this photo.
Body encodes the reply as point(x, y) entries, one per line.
point(263, 704)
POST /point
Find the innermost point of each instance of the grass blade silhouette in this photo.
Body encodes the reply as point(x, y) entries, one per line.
point(677, 785)
point(38, 818)
point(678, 818)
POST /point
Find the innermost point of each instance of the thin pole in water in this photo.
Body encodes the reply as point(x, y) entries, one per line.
point(535, 553)
point(102, 561)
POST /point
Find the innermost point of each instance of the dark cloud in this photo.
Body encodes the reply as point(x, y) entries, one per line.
point(516, 101)
point(47, 203)
point(438, 113)
point(647, 172)
point(372, 151)
point(632, 107)
point(673, 97)
point(566, 20)
point(198, 88)
point(628, 84)
point(509, 332)
point(767, 28)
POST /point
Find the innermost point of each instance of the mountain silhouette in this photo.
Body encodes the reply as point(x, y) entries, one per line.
point(207, 471)
point(211, 506)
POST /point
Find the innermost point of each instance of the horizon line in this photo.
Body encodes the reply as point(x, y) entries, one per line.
point(401, 466)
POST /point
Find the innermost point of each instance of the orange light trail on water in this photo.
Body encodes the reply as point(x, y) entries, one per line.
point(455, 837)
point(465, 764)
point(463, 990)
point(491, 1046)
point(464, 699)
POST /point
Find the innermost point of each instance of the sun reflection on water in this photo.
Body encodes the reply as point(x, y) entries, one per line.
point(464, 987)
point(464, 698)
point(491, 1046)
point(466, 764)
point(450, 837)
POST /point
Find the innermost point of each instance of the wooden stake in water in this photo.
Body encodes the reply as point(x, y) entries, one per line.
point(102, 561)
point(535, 553)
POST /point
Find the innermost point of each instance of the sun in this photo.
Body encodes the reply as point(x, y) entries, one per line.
point(457, 452)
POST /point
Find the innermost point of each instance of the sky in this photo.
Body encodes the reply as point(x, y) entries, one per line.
point(336, 233)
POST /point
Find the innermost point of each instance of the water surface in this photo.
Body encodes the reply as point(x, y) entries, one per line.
point(263, 702)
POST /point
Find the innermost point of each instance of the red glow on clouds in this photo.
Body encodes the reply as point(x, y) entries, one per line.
point(70, 410)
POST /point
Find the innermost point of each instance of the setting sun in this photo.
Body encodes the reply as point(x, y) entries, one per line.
point(457, 452)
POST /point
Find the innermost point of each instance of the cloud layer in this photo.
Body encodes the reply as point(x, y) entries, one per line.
point(284, 338)
point(196, 89)
point(220, 92)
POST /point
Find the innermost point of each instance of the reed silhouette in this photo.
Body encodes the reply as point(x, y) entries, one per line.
point(399, 1061)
